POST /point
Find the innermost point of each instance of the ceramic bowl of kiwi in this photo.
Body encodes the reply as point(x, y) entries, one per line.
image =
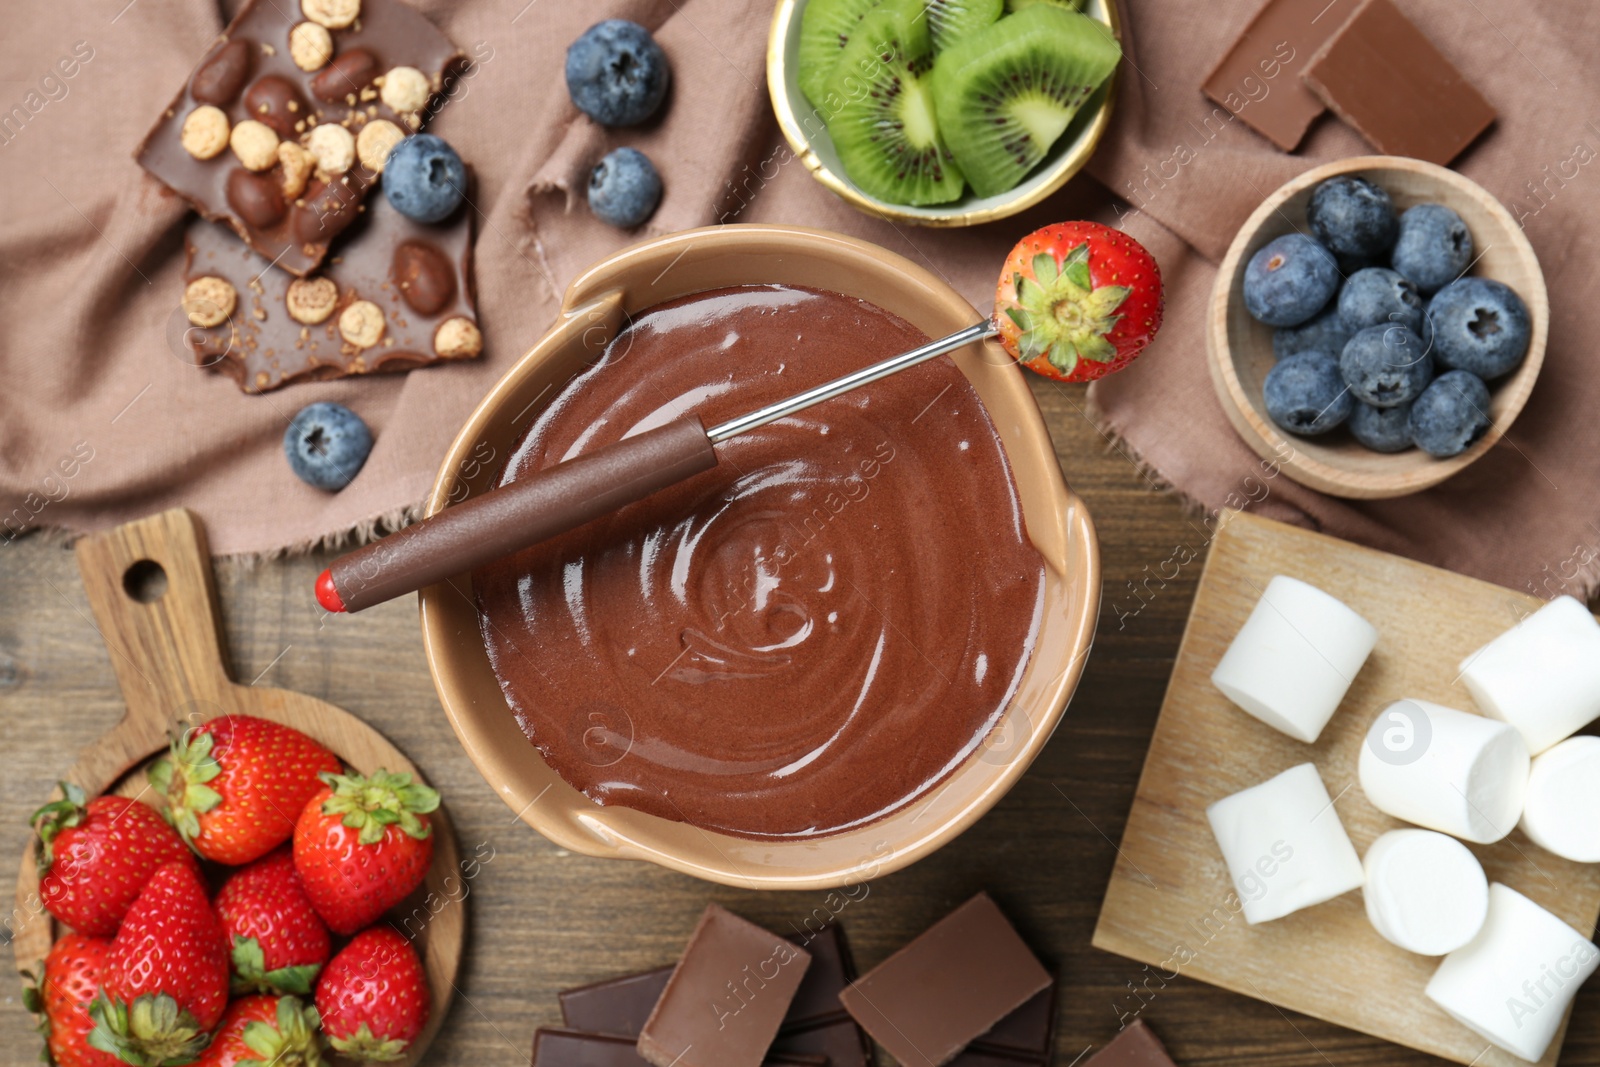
point(943, 112)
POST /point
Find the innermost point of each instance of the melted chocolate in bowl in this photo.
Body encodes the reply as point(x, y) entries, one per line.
point(807, 637)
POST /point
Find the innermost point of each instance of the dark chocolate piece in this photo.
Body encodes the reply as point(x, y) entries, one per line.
point(1136, 1046)
point(1259, 79)
point(1385, 78)
point(726, 998)
point(619, 1006)
point(841, 1042)
point(263, 347)
point(250, 74)
point(573, 1048)
point(954, 982)
point(1027, 1034)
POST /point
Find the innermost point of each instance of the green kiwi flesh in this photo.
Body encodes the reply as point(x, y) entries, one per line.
point(952, 20)
point(1018, 5)
point(1004, 95)
point(880, 110)
point(825, 29)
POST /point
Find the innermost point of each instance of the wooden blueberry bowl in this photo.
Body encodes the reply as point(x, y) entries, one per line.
point(1239, 349)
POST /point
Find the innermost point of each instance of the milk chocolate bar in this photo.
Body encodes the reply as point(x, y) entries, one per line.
point(1135, 1046)
point(1385, 78)
point(954, 982)
point(1259, 79)
point(396, 294)
point(284, 125)
point(727, 997)
point(573, 1048)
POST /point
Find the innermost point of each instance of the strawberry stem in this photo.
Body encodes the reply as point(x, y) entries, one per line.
point(372, 804)
point(54, 817)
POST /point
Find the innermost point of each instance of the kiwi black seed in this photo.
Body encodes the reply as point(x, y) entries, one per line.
point(1004, 95)
point(825, 28)
point(880, 110)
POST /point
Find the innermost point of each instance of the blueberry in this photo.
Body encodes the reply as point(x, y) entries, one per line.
point(1385, 365)
point(424, 178)
point(1379, 296)
point(616, 73)
point(1289, 280)
point(1433, 248)
point(326, 444)
point(1305, 394)
point(624, 188)
point(1322, 332)
point(1352, 217)
point(1479, 325)
point(1382, 429)
point(1451, 415)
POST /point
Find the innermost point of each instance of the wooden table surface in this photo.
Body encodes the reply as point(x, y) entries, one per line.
point(542, 919)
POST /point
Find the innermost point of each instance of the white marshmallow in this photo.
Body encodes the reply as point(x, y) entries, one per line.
point(1284, 844)
point(1425, 892)
point(1448, 770)
point(1512, 983)
point(1542, 675)
point(1294, 658)
point(1562, 808)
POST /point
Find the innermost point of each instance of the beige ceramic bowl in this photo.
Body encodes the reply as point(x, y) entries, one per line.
point(1239, 349)
point(807, 135)
point(1058, 524)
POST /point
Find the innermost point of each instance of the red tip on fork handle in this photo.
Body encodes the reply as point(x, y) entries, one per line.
point(328, 593)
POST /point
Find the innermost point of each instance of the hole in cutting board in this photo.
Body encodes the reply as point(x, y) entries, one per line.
point(145, 581)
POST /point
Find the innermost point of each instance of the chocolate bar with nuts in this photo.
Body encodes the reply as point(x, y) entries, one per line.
point(395, 294)
point(286, 123)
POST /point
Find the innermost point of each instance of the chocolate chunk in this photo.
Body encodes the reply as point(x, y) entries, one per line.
point(831, 970)
point(349, 72)
point(956, 980)
point(264, 346)
point(1384, 77)
point(276, 102)
point(1027, 1035)
point(573, 1048)
point(388, 31)
point(618, 1006)
point(1136, 1046)
point(255, 198)
point(726, 998)
point(425, 277)
point(1259, 79)
point(220, 78)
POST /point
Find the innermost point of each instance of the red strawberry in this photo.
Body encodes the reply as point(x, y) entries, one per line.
point(373, 997)
point(279, 943)
point(362, 845)
point(235, 783)
point(69, 982)
point(95, 858)
point(166, 981)
point(257, 1031)
point(1078, 301)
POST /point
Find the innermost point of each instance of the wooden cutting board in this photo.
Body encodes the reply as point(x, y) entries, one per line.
point(1167, 905)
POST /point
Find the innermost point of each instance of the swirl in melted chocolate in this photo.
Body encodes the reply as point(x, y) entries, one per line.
point(807, 637)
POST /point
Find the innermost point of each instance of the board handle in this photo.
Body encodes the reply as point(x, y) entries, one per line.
point(149, 583)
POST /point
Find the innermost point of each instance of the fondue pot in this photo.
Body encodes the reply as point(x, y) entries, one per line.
point(594, 309)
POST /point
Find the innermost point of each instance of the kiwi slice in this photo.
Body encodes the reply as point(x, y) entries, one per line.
point(1005, 94)
point(825, 28)
point(952, 20)
point(880, 110)
point(1018, 5)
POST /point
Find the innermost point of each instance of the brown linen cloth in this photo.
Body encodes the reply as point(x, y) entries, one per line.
point(91, 257)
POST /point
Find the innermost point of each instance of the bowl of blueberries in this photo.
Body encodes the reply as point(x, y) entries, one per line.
point(1376, 326)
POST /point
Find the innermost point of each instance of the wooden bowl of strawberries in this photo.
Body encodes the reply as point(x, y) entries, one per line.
point(234, 872)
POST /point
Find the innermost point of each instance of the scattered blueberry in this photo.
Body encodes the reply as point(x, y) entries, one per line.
point(424, 178)
point(1323, 332)
point(326, 444)
point(1385, 365)
point(1479, 325)
point(1433, 248)
point(1305, 394)
point(1352, 217)
point(616, 73)
point(1382, 429)
point(1379, 296)
point(1451, 415)
point(624, 188)
point(1289, 280)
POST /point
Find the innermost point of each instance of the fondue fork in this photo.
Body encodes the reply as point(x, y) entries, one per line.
point(544, 503)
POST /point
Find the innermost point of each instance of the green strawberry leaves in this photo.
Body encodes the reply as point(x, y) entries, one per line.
point(181, 777)
point(290, 1039)
point(364, 1045)
point(54, 817)
point(250, 974)
point(378, 801)
point(151, 1032)
point(1061, 314)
